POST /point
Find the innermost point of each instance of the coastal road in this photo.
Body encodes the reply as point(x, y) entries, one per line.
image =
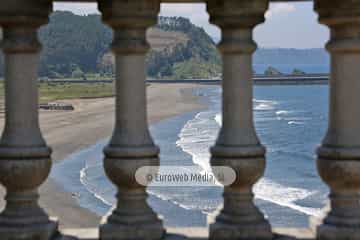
point(308, 79)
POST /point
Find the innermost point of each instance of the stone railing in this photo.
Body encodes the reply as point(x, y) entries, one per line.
point(25, 159)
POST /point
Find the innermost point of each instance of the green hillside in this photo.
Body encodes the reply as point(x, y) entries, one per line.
point(78, 47)
point(195, 58)
point(72, 44)
point(75, 45)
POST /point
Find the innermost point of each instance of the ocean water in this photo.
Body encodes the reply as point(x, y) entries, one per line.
point(290, 122)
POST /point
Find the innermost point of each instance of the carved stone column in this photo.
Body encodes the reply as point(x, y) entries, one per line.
point(237, 145)
point(131, 145)
point(24, 156)
point(339, 155)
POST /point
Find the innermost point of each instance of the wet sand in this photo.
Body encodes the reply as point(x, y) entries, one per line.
point(91, 121)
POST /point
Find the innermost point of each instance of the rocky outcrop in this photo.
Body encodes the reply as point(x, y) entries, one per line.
point(298, 72)
point(271, 71)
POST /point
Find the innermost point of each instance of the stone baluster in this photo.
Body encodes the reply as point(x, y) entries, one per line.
point(237, 145)
point(339, 155)
point(24, 156)
point(131, 145)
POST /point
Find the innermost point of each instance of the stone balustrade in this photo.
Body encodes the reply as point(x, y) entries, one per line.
point(339, 155)
point(131, 145)
point(25, 159)
point(237, 145)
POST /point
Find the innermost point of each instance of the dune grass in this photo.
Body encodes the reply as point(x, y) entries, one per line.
point(57, 91)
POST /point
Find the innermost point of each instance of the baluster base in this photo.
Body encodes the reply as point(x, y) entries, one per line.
point(330, 232)
point(148, 231)
point(22, 171)
point(226, 231)
point(339, 169)
point(240, 219)
point(127, 222)
point(39, 231)
point(132, 218)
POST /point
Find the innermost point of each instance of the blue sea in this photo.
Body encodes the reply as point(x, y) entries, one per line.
point(290, 121)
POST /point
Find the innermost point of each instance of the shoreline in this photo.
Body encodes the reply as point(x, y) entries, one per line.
point(68, 133)
point(303, 200)
point(258, 79)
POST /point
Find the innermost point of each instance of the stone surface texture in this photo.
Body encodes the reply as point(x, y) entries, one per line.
point(237, 145)
point(339, 155)
point(24, 156)
point(131, 145)
point(197, 233)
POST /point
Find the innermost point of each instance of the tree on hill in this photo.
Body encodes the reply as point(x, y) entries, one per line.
point(298, 72)
point(72, 39)
point(271, 71)
point(199, 48)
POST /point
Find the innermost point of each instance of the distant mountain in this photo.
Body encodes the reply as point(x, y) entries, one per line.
point(179, 49)
point(73, 43)
point(76, 45)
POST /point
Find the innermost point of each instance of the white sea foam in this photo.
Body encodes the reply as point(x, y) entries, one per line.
point(295, 123)
point(195, 138)
point(292, 117)
point(263, 105)
point(218, 119)
point(165, 197)
point(284, 196)
point(86, 183)
point(282, 112)
point(199, 134)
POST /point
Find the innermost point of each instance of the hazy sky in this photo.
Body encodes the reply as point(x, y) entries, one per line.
point(287, 25)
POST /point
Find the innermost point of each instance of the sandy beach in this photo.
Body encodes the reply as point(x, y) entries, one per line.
point(92, 120)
